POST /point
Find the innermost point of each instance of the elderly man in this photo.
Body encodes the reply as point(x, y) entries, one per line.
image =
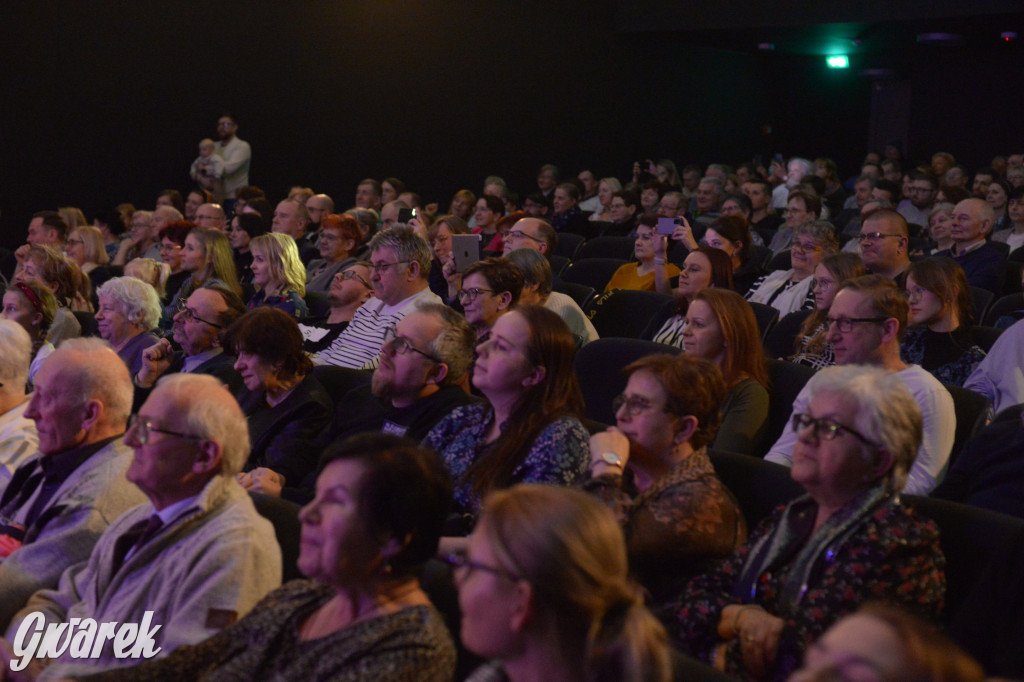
point(368, 194)
point(708, 200)
point(984, 265)
point(884, 245)
point(195, 557)
point(537, 282)
point(867, 318)
point(292, 218)
point(237, 155)
point(531, 233)
point(796, 169)
point(211, 215)
point(389, 213)
point(400, 263)
point(199, 330)
point(18, 437)
point(60, 501)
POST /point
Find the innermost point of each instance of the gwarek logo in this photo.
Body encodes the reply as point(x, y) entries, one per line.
point(82, 638)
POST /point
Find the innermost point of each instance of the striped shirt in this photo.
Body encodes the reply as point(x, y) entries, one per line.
point(359, 345)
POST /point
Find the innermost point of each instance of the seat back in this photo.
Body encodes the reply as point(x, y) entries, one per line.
point(594, 272)
point(558, 264)
point(581, 293)
point(973, 413)
point(759, 255)
point(338, 381)
point(627, 313)
point(284, 517)
point(759, 486)
point(599, 369)
point(765, 316)
point(985, 337)
point(607, 247)
point(1004, 306)
point(317, 304)
point(786, 381)
point(780, 261)
point(568, 245)
point(981, 299)
point(782, 335)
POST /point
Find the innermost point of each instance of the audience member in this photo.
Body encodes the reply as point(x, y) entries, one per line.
point(84, 245)
point(488, 209)
point(606, 190)
point(207, 258)
point(848, 541)
point(545, 571)
point(211, 215)
point(192, 559)
point(796, 169)
point(624, 206)
point(1000, 375)
point(884, 245)
point(151, 272)
point(531, 233)
point(319, 206)
point(292, 218)
point(490, 289)
point(704, 267)
point(732, 235)
point(172, 243)
point(529, 428)
point(439, 235)
point(285, 404)
point(18, 435)
point(763, 222)
point(790, 290)
point(537, 283)
point(653, 472)
point(58, 503)
point(349, 290)
point(939, 338)
point(1013, 234)
point(401, 264)
point(803, 206)
point(811, 344)
point(462, 204)
point(140, 241)
point(983, 264)
point(47, 268)
point(918, 205)
point(278, 275)
point(128, 313)
point(32, 306)
point(651, 272)
point(237, 155)
point(567, 216)
point(339, 237)
point(940, 226)
point(866, 322)
point(207, 168)
point(243, 229)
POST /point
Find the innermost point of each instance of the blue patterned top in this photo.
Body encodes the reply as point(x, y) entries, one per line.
point(949, 356)
point(291, 303)
point(560, 455)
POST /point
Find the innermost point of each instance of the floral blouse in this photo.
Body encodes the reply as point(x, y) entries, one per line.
point(681, 526)
point(893, 556)
point(949, 357)
point(291, 303)
point(560, 455)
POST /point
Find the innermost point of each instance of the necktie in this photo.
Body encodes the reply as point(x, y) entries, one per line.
point(139, 534)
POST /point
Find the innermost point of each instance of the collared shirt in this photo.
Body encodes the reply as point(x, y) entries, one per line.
point(191, 362)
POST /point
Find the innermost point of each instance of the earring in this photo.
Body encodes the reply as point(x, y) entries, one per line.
point(387, 568)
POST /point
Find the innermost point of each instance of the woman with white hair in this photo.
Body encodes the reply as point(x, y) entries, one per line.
point(848, 541)
point(129, 309)
point(18, 437)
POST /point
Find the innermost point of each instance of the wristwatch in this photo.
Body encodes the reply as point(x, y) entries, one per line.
point(611, 458)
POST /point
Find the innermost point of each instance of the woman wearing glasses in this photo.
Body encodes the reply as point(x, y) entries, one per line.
point(339, 238)
point(790, 290)
point(528, 430)
point(278, 275)
point(544, 593)
point(490, 288)
point(847, 541)
point(285, 405)
point(811, 342)
point(939, 336)
point(653, 471)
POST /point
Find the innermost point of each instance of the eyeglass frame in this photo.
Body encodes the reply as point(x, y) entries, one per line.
point(352, 274)
point(471, 294)
point(144, 427)
point(518, 234)
point(189, 315)
point(378, 268)
point(848, 322)
point(623, 400)
point(391, 337)
point(826, 428)
point(874, 237)
point(457, 561)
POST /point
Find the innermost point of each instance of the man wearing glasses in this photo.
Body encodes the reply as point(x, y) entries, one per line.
point(916, 207)
point(59, 502)
point(884, 243)
point(400, 265)
point(531, 233)
point(866, 321)
point(198, 329)
point(195, 556)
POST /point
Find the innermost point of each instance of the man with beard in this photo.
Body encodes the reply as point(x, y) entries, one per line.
point(349, 289)
point(237, 155)
point(918, 206)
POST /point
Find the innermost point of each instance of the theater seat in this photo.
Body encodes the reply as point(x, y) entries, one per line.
point(973, 413)
point(338, 381)
point(759, 486)
point(607, 247)
point(594, 272)
point(599, 369)
point(765, 316)
point(284, 516)
point(786, 382)
point(627, 313)
point(568, 245)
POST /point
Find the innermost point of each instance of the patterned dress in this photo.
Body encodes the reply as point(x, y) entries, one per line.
point(291, 303)
point(889, 555)
point(949, 357)
point(681, 526)
point(412, 644)
point(560, 454)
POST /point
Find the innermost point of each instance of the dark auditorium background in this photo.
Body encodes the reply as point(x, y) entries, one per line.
point(105, 101)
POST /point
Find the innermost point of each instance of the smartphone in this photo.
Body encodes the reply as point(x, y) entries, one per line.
point(668, 225)
point(405, 215)
point(466, 248)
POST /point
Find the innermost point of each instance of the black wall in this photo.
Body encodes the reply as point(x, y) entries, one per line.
point(105, 102)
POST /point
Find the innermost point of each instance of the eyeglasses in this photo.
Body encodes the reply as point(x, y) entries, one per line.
point(72, 242)
point(845, 324)
point(825, 284)
point(401, 345)
point(826, 429)
point(187, 314)
point(916, 293)
point(634, 405)
point(143, 427)
point(805, 246)
point(460, 561)
point(519, 234)
point(169, 247)
point(382, 267)
point(874, 237)
point(352, 274)
point(469, 295)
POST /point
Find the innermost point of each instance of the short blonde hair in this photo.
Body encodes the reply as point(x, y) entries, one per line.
point(92, 240)
point(283, 258)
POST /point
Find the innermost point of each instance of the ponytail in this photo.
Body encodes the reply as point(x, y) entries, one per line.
point(627, 643)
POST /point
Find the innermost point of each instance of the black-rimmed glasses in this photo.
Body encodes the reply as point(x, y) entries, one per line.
point(188, 314)
point(402, 346)
point(845, 324)
point(826, 429)
point(463, 562)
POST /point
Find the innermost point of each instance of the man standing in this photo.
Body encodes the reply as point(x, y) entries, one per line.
point(867, 318)
point(196, 556)
point(401, 263)
point(60, 501)
point(983, 264)
point(236, 154)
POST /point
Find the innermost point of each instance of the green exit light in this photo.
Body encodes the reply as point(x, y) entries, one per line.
point(839, 61)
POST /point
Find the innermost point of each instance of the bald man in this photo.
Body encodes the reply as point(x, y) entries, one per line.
point(984, 265)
